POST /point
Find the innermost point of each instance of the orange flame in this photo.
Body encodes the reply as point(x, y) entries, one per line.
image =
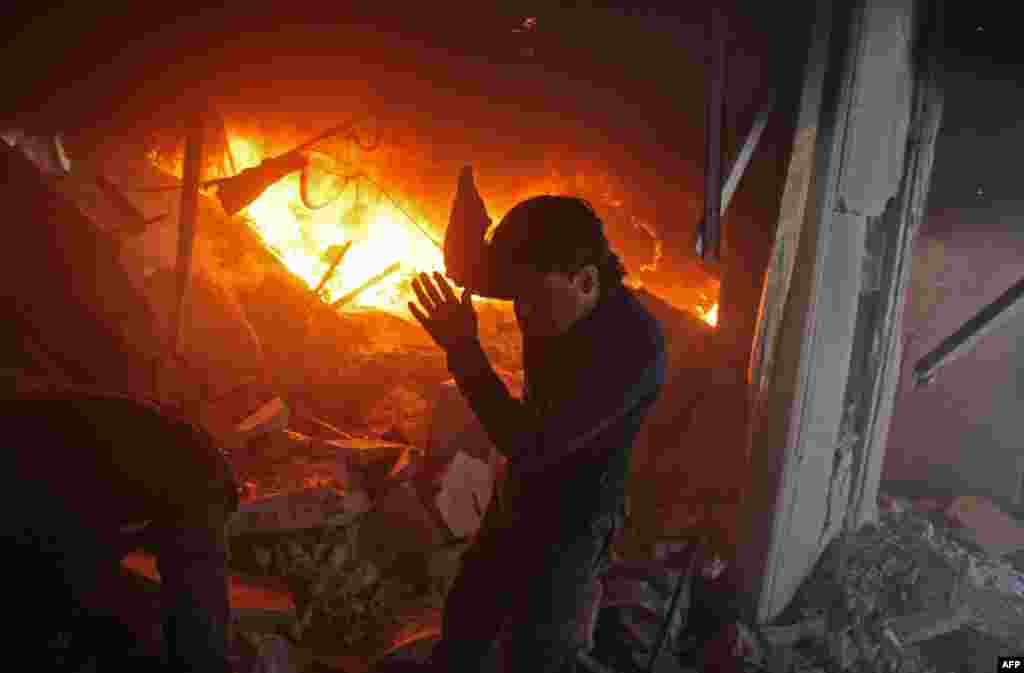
point(381, 235)
point(709, 315)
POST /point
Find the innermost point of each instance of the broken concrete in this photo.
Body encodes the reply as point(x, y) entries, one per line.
point(906, 583)
point(790, 635)
point(399, 527)
point(920, 627)
point(369, 463)
point(299, 510)
point(987, 526)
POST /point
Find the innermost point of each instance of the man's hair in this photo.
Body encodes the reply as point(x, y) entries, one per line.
point(556, 233)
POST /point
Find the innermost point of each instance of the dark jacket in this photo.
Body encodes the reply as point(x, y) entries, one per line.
point(569, 440)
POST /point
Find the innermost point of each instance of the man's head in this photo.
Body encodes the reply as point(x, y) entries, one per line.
point(549, 254)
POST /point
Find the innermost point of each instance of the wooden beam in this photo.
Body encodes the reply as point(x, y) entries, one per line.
point(367, 285)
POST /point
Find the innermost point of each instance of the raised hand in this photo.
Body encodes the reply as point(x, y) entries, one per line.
point(448, 320)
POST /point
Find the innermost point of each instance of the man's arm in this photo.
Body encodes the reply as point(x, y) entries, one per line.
point(511, 423)
point(606, 396)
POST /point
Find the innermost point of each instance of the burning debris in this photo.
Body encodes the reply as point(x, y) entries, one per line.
point(370, 547)
point(324, 410)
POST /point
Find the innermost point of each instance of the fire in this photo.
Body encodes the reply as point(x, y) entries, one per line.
point(380, 233)
point(709, 315)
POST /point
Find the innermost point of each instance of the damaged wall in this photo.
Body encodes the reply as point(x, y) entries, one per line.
point(822, 460)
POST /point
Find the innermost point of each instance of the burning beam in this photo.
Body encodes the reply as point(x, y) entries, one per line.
point(330, 270)
point(367, 285)
point(984, 321)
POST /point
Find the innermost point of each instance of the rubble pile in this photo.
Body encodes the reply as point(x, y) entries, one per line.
point(904, 595)
point(365, 533)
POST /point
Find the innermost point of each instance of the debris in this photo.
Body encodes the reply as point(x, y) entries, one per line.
point(462, 492)
point(333, 256)
point(996, 613)
point(664, 549)
point(788, 636)
point(355, 503)
point(347, 299)
point(252, 603)
point(443, 566)
point(263, 558)
point(399, 525)
point(987, 526)
point(730, 648)
point(221, 415)
point(890, 505)
point(304, 419)
point(368, 463)
point(923, 626)
point(277, 655)
point(298, 510)
point(261, 620)
point(368, 454)
point(402, 410)
point(279, 445)
point(270, 417)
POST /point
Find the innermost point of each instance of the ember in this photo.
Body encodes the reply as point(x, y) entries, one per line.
point(708, 315)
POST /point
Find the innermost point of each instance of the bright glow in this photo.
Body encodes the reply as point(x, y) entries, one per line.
point(709, 315)
point(380, 236)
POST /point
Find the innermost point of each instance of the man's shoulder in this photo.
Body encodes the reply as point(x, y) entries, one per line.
point(638, 327)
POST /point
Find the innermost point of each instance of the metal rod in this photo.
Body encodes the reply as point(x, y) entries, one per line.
point(684, 581)
point(964, 339)
point(330, 270)
point(187, 227)
point(367, 285)
point(739, 166)
point(332, 131)
point(709, 242)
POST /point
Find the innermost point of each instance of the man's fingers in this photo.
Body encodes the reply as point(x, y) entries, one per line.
point(417, 287)
point(416, 313)
point(428, 285)
point(446, 289)
point(467, 297)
